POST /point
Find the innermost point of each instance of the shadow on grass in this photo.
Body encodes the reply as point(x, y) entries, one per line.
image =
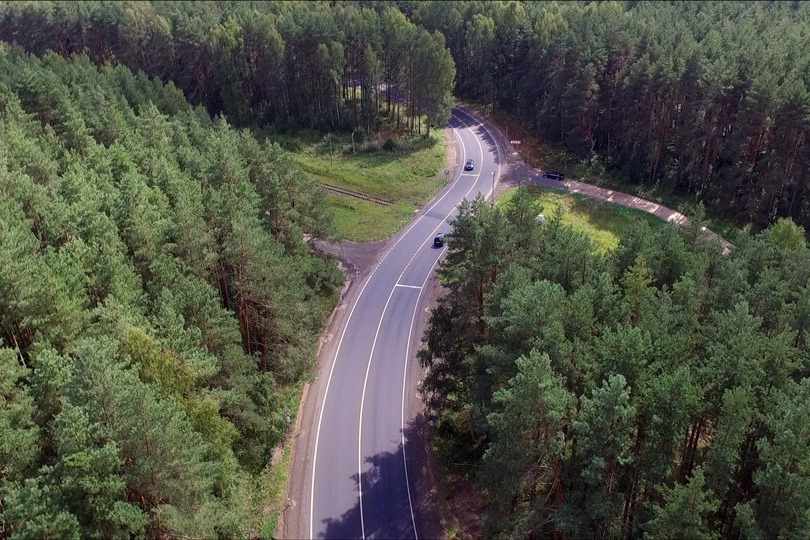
point(611, 217)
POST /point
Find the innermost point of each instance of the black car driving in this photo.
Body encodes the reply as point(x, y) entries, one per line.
point(440, 239)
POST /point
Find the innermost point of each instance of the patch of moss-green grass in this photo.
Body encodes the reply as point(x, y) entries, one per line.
point(363, 221)
point(603, 222)
point(274, 478)
point(404, 169)
point(408, 174)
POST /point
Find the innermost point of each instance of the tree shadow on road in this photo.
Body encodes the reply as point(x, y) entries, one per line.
point(386, 505)
point(488, 141)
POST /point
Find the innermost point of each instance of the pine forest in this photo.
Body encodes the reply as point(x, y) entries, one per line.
point(161, 306)
point(658, 391)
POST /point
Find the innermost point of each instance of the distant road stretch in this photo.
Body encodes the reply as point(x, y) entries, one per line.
point(359, 476)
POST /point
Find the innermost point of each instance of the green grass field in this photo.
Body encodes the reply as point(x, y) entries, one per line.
point(605, 223)
point(408, 176)
point(363, 221)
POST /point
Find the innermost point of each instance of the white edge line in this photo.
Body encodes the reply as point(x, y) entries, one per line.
point(497, 146)
point(410, 332)
point(340, 343)
point(404, 385)
point(466, 195)
point(410, 338)
point(371, 356)
point(323, 406)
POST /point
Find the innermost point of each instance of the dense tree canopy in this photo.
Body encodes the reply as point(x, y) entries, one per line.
point(156, 297)
point(289, 64)
point(709, 99)
point(660, 390)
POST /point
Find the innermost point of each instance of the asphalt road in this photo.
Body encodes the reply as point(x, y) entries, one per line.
point(358, 465)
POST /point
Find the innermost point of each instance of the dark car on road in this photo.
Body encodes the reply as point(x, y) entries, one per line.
point(440, 239)
point(470, 165)
point(554, 175)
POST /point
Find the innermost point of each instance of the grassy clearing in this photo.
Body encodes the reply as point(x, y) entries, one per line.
point(405, 170)
point(605, 223)
point(363, 221)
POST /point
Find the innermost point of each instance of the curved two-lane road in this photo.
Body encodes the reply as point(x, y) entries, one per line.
point(358, 471)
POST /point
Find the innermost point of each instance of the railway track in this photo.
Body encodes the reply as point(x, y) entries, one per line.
point(359, 195)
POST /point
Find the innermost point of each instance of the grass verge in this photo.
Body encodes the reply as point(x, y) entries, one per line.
point(363, 221)
point(273, 480)
point(408, 175)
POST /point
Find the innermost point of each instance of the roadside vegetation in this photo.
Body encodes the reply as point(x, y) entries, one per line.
point(604, 375)
point(544, 156)
point(605, 224)
point(595, 394)
point(361, 221)
point(705, 100)
point(158, 306)
point(404, 170)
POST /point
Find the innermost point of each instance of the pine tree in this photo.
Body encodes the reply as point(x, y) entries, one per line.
point(600, 461)
point(19, 436)
point(683, 512)
point(522, 468)
point(783, 481)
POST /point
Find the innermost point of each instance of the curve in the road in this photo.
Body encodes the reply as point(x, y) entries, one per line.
point(360, 424)
point(407, 353)
point(427, 267)
point(382, 492)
